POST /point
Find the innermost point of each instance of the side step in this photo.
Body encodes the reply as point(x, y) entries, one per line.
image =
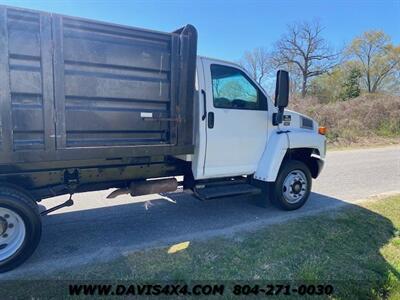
point(225, 190)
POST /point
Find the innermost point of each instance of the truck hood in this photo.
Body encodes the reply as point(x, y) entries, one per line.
point(295, 120)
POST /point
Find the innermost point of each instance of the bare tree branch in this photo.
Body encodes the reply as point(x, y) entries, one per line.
point(257, 63)
point(303, 47)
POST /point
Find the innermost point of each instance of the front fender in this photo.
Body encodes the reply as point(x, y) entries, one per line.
point(271, 160)
point(278, 145)
point(308, 139)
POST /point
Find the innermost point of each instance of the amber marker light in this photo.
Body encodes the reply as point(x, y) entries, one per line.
point(322, 130)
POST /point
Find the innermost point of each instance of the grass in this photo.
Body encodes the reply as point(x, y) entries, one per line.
point(356, 249)
point(366, 120)
point(365, 143)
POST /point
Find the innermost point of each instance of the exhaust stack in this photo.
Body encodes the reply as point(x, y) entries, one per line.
point(138, 188)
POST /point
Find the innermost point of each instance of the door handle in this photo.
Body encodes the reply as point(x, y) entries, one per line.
point(203, 117)
point(210, 120)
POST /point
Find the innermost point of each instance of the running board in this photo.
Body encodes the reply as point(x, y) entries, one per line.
point(223, 190)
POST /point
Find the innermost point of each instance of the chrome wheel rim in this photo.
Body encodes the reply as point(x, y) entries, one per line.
point(295, 186)
point(12, 233)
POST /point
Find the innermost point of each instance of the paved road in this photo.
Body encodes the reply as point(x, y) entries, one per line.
point(95, 230)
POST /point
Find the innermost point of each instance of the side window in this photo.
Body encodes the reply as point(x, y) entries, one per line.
point(232, 89)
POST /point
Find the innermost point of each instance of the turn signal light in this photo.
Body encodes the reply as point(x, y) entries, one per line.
point(322, 130)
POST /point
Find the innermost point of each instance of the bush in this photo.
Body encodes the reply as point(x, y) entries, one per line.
point(365, 116)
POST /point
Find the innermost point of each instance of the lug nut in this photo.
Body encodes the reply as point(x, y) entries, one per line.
point(6, 216)
point(5, 235)
point(11, 225)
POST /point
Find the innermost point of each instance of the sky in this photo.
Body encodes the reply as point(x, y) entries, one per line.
point(228, 28)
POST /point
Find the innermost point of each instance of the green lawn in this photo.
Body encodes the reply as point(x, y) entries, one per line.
point(356, 249)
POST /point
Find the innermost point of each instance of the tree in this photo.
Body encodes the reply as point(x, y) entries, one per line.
point(378, 58)
point(303, 46)
point(340, 83)
point(328, 87)
point(351, 86)
point(257, 64)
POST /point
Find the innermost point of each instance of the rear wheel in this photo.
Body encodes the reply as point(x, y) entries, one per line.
point(20, 227)
point(292, 187)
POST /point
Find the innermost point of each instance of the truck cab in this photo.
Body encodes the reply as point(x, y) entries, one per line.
point(236, 133)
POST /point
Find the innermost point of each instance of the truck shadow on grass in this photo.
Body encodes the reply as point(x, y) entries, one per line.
point(343, 243)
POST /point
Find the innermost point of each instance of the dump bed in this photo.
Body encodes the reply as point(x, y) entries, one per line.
point(75, 89)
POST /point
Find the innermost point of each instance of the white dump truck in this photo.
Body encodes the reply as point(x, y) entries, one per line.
point(87, 105)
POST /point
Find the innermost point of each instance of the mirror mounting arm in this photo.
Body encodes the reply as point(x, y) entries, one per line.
point(277, 118)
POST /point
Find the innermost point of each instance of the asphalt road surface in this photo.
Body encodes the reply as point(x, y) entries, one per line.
point(97, 229)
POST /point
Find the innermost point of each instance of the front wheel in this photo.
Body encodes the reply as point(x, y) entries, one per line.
point(292, 186)
point(20, 227)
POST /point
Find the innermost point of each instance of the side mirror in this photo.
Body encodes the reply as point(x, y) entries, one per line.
point(281, 95)
point(282, 89)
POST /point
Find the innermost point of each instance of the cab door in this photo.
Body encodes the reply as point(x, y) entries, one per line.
point(236, 120)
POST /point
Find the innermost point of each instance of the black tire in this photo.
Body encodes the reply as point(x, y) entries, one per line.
point(20, 203)
point(276, 189)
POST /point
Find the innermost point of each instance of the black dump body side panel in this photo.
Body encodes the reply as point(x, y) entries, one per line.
point(74, 89)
